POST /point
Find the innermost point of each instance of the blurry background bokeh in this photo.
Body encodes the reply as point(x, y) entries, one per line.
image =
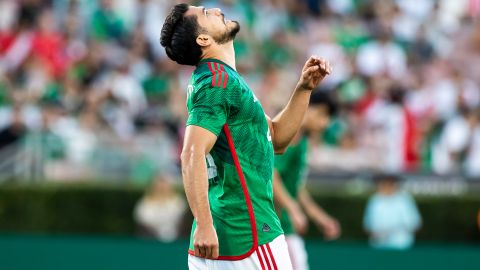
point(92, 116)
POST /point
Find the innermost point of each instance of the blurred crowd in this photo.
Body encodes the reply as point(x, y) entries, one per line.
point(87, 86)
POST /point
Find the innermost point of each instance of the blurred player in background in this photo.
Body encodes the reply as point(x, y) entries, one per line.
point(228, 152)
point(289, 183)
point(391, 217)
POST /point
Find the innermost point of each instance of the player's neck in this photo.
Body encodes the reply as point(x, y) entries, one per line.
point(224, 53)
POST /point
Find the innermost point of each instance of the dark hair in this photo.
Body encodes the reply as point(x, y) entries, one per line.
point(179, 34)
point(321, 97)
point(396, 94)
point(384, 177)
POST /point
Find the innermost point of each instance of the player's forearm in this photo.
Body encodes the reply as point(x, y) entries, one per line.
point(280, 194)
point(312, 209)
point(195, 181)
point(286, 124)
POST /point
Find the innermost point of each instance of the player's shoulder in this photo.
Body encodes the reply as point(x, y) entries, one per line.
point(213, 74)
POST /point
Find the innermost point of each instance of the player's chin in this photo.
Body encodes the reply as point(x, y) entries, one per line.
point(234, 26)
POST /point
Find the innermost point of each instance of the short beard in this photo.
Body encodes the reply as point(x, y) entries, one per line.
point(229, 35)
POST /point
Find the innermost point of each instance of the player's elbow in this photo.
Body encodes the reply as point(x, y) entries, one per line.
point(191, 155)
point(279, 150)
point(280, 144)
point(186, 156)
point(279, 147)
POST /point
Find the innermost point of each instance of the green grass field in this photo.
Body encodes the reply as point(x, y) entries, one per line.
point(82, 252)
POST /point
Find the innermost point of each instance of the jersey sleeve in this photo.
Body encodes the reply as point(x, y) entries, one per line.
point(208, 108)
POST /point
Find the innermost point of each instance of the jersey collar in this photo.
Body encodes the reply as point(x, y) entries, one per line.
point(216, 61)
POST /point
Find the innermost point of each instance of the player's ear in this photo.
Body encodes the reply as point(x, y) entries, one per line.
point(204, 40)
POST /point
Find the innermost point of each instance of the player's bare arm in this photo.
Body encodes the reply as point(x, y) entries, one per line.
point(285, 125)
point(198, 143)
point(283, 199)
point(327, 224)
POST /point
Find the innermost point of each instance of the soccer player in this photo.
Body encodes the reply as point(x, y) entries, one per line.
point(228, 152)
point(289, 188)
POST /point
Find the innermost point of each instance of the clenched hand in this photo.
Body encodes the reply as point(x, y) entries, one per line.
point(314, 71)
point(205, 241)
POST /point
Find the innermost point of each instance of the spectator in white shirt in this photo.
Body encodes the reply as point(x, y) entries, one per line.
point(161, 210)
point(382, 57)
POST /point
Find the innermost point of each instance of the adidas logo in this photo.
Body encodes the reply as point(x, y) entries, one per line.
point(265, 227)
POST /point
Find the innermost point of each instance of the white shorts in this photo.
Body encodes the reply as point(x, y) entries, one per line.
point(271, 256)
point(298, 253)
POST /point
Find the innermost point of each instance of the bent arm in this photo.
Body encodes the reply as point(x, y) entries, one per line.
point(285, 125)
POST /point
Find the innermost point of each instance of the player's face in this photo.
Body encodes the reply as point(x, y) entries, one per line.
point(316, 118)
point(215, 24)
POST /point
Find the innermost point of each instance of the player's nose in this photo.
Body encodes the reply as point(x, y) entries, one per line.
point(217, 11)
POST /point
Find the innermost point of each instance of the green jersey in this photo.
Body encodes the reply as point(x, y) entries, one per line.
point(240, 164)
point(291, 166)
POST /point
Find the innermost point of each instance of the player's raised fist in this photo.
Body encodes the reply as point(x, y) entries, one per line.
point(313, 72)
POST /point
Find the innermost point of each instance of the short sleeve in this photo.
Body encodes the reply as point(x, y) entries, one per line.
point(208, 108)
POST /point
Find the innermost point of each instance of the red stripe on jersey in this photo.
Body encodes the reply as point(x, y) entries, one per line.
point(248, 201)
point(271, 257)
point(213, 73)
point(267, 261)
point(260, 260)
point(219, 72)
point(225, 80)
